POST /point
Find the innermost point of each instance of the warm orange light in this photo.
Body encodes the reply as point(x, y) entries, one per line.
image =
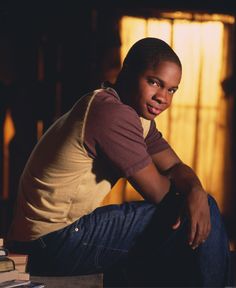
point(132, 29)
point(9, 129)
point(198, 17)
point(39, 129)
point(8, 134)
point(197, 108)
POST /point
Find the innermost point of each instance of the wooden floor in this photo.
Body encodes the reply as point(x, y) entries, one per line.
point(84, 281)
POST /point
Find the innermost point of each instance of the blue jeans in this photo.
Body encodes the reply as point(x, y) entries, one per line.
point(133, 244)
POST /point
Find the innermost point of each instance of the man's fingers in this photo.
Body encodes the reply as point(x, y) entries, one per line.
point(192, 233)
point(200, 237)
point(177, 224)
point(199, 219)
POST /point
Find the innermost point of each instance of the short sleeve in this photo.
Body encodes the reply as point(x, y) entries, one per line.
point(155, 141)
point(115, 130)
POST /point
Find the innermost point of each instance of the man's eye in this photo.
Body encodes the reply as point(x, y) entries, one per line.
point(172, 91)
point(153, 82)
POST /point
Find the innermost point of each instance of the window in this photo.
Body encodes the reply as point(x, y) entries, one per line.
point(196, 124)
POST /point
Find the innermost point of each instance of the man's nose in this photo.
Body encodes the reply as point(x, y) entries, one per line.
point(161, 96)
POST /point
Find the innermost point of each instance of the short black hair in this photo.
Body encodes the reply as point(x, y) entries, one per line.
point(148, 53)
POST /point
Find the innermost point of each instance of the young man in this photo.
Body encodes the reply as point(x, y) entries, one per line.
point(174, 237)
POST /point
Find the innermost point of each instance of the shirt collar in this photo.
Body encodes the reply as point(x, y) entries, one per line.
point(109, 86)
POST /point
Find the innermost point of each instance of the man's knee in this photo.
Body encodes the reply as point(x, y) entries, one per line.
point(217, 223)
point(214, 209)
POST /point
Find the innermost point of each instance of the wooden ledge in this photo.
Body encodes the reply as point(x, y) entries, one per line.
point(82, 281)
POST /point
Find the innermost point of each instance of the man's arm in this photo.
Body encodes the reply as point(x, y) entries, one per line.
point(150, 183)
point(154, 185)
point(189, 185)
point(169, 164)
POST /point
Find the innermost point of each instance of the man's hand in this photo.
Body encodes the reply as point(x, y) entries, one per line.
point(194, 196)
point(198, 213)
point(153, 184)
point(197, 209)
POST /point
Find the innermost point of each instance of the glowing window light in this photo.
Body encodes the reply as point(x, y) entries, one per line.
point(8, 134)
point(202, 69)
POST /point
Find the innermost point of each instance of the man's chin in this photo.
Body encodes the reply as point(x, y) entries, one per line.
point(149, 116)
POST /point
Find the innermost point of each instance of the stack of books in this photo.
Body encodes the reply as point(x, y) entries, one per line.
point(13, 269)
point(20, 261)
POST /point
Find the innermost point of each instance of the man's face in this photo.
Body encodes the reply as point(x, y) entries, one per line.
point(155, 89)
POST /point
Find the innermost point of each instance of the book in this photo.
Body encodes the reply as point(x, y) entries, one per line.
point(13, 275)
point(18, 258)
point(8, 276)
point(1, 242)
point(23, 276)
point(6, 264)
point(20, 267)
point(20, 261)
point(3, 252)
point(22, 284)
point(15, 283)
point(34, 285)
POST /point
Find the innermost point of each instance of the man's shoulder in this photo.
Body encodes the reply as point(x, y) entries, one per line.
point(106, 104)
point(106, 96)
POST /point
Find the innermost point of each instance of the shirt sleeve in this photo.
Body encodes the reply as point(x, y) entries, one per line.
point(155, 141)
point(115, 130)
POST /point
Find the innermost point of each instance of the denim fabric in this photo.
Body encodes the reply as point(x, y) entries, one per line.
point(214, 258)
point(134, 245)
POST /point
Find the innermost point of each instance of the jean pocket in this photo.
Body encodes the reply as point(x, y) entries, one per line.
point(101, 257)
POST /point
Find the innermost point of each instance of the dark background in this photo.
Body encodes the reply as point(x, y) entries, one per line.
point(80, 42)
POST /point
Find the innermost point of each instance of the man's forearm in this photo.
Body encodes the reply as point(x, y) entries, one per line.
point(184, 178)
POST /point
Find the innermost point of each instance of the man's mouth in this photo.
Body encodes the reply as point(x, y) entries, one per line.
point(153, 110)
